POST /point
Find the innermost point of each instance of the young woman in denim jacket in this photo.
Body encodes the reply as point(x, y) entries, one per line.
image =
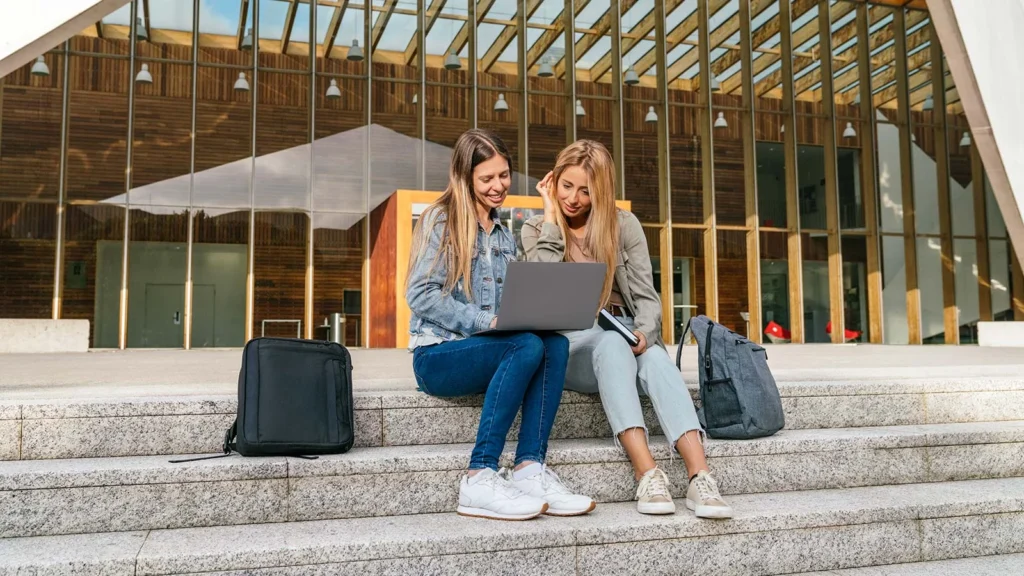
point(582, 223)
point(459, 256)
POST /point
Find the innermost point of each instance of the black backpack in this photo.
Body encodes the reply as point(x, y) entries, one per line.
point(294, 399)
point(739, 398)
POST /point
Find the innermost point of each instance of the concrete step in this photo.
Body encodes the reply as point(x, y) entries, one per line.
point(778, 533)
point(89, 428)
point(1002, 565)
point(47, 497)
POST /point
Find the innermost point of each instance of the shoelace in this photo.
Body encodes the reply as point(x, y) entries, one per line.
point(501, 485)
point(656, 485)
point(707, 488)
point(551, 482)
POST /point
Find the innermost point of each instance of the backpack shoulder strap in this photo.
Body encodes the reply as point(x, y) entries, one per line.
point(228, 447)
point(682, 342)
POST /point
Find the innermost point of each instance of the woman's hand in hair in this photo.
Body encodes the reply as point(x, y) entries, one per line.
point(642, 346)
point(546, 189)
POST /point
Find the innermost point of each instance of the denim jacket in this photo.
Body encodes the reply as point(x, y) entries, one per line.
point(453, 316)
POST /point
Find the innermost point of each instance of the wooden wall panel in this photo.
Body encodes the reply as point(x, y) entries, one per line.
point(383, 255)
point(337, 267)
point(29, 143)
point(279, 268)
point(27, 246)
point(85, 227)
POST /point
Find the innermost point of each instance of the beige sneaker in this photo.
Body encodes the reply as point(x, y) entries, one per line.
point(703, 498)
point(653, 496)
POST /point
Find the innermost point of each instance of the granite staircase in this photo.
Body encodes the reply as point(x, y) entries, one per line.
point(900, 476)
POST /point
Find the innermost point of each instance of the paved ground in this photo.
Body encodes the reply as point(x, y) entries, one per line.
point(135, 373)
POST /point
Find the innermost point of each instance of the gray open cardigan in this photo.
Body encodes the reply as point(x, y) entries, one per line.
point(543, 242)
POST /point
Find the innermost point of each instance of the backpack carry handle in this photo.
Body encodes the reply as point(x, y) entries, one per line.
point(708, 369)
point(682, 343)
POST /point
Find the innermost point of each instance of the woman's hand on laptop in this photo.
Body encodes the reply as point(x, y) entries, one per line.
point(642, 346)
point(546, 189)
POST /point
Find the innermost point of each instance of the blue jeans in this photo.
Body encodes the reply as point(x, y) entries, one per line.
point(511, 370)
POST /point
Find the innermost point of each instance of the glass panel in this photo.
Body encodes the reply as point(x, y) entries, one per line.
point(961, 178)
point(223, 160)
point(926, 194)
point(596, 124)
point(339, 150)
point(883, 53)
point(855, 288)
point(641, 162)
point(851, 204)
point(919, 69)
point(999, 258)
point(447, 119)
point(284, 35)
point(93, 251)
point(732, 280)
point(30, 124)
point(219, 266)
point(966, 261)
point(279, 266)
point(817, 314)
point(683, 56)
point(161, 153)
point(807, 52)
point(767, 71)
point(157, 261)
point(547, 133)
point(996, 224)
point(845, 53)
point(810, 161)
point(499, 96)
point(282, 141)
point(771, 185)
point(929, 279)
point(160, 18)
point(890, 178)
point(686, 166)
point(730, 199)
point(894, 291)
point(28, 233)
point(593, 42)
point(775, 287)
point(688, 273)
point(338, 273)
point(226, 32)
point(97, 128)
point(724, 55)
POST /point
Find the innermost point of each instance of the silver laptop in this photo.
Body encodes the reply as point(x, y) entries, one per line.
point(550, 296)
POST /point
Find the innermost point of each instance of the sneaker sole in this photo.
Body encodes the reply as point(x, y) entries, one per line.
point(712, 512)
point(491, 515)
point(657, 508)
point(590, 509)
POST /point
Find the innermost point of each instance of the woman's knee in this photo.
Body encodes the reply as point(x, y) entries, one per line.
point(528, 347)
point(555, 345)
point(611, 344)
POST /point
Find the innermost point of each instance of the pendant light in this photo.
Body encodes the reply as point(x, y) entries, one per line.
point(715, 86)
point(452, 61)
point(849, 132)
point(355, 53)
point(966, 140)
point(333, 91)
point(579, 109)
point(652, 116)
point(929, 104)
point(720, 122)
point(140, 30)
point(545, 71)
point(39, 68)
point(631, 77)
point(144, 76)
point(247, 40)
point(242, 85)
point(501, 105)
point(415, 98)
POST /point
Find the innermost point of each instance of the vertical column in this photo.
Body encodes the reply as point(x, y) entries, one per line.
point(569, 27)
point(474, 94)
point(750, 176)
point(311, 120)
point(981, 237)
point(250, 282)
point(794, 251)
point(618, 141)
point(950, 312)
point(868, 179)
point(367, 319)
point(524, 95)
point(58, 270)
point(707, 164)
point(122, 310)
point(191, 176)
point(1017, 282)
point(421, 107)
point(835, 252)
point(907, 184)
point(668, 317)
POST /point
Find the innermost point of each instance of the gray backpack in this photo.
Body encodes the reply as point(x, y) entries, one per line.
point(738, 395)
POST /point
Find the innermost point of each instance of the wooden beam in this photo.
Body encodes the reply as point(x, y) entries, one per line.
point(382, 22)
point(568, 20)
point(893, 73)
point(433, 12)
point(707, 169)
point(99, 29)
point(837, 302)
point(981, 236)
point(665, 256)
point(600, 29)
point(1017, 282)
point(886, 56)
point(750, 179)
point(462, 36)
point(289, 23)
point(950, 313)
point(677, 35)
point(506, 36)
point(145, 19)
point(869, 183)
point(243, 17)
point(794, 246)
point(768, 30)
point(550, 36)
point(334, 26)
point(907, 181)
point(638, 32)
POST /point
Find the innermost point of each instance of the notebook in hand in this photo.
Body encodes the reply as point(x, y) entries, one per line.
point(609, 322)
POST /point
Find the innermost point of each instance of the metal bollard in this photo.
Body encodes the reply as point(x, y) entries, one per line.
point(334, 333)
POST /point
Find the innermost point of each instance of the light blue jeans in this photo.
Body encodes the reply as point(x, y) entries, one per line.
point(601, 362)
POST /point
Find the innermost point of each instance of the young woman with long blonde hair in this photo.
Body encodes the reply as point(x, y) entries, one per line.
point(459, 257)
point(582, 224)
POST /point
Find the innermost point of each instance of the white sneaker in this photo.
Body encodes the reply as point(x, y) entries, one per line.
point(653, 495)
point(546, 485)
point(703, 498)
point(488, 495)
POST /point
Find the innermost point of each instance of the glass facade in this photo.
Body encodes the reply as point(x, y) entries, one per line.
point(194, 173)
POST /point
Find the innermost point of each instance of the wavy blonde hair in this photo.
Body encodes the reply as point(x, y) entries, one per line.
point(457, 207)
point(601, 238)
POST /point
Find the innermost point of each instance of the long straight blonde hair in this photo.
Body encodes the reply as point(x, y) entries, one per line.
point(601, 238)
point(456, 210)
